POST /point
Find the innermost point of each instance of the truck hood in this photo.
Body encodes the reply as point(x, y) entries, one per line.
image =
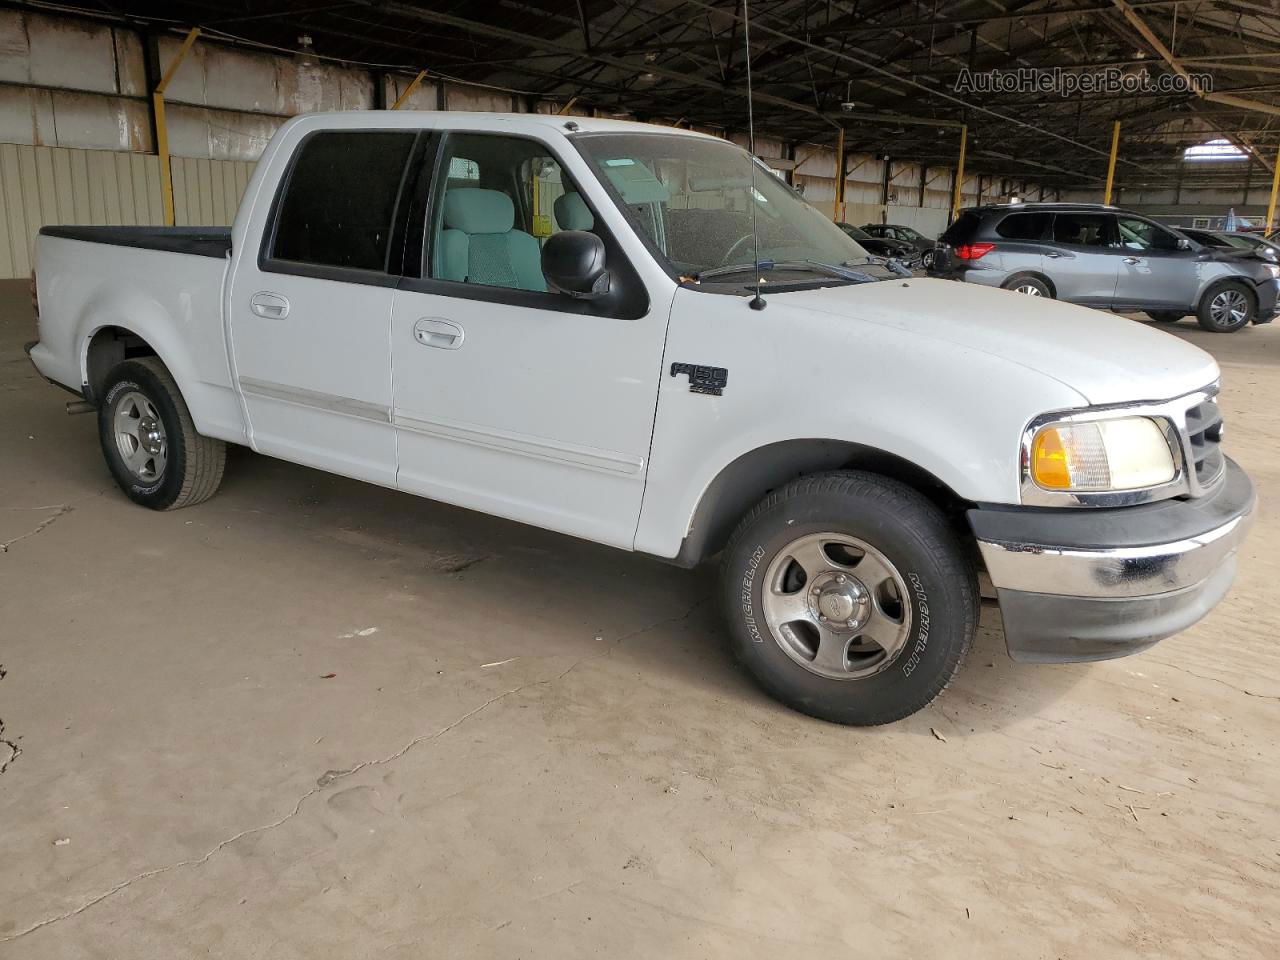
point(1104, 357)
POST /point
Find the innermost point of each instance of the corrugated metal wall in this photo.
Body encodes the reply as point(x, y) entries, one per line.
point(57, 185)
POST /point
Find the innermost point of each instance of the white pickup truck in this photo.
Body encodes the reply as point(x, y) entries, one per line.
point(554, 320)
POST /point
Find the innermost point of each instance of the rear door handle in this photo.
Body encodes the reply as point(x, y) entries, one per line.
point(1132, 260)
point(435, 332)
point(269, 305)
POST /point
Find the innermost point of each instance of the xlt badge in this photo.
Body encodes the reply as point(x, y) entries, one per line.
point(703, 379)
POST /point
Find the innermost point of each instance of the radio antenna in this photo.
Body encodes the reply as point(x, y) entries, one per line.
point(757, 302)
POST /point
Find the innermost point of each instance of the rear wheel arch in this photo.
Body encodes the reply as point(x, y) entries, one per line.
point(106, 348)
point(744, 482)
point(1013, 281)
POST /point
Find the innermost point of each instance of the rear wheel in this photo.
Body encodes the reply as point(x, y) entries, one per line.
point(926, 260)
point(150, 441)
point(1029, 286)
point(1165, 316)
point(849, 598)
point(1227, 307)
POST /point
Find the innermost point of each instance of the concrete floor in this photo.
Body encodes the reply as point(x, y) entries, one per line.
point(313, 718)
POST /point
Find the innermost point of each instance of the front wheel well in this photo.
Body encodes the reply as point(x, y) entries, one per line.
point(747, 480)
point(108, 347)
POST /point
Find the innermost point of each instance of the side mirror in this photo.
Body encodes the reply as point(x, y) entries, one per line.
point(1184, 243)
point(573, 264)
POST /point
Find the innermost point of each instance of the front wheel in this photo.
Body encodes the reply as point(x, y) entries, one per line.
point(926, 260)
point(150, 441)
point(1227, 307)
point(849, 598)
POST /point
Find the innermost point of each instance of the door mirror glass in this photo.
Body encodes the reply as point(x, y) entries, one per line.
point(573, 263)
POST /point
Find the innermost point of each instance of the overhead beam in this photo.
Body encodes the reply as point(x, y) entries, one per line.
point(1166, 54)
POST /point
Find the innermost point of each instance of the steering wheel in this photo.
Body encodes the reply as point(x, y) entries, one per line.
point(730, 256)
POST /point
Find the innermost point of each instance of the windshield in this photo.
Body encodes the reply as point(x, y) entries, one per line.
point(855, 232)
point(693, 198)
point(907, 233)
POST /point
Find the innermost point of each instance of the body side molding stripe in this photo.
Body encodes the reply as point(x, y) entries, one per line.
point(539, 448)
point(331, 402)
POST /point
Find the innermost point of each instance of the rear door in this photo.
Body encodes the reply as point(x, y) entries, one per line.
point(1153, 271)
point(310, 311)
point(1021, 243)
point(1079, 258)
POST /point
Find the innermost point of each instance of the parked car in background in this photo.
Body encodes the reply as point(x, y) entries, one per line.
point(1109, 258)
point(883, 247)
point(1256, 242)
point(896, 232)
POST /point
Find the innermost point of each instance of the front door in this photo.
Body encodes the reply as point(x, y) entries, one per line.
point(310, 313)
point(1079, 260)
point(1154, 271)
point(507, 397)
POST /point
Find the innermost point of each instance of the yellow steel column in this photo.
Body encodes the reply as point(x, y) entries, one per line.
point(1111, 164)
point(567, 107)
point(408, 91)
point(162, 128)
point(837, 214)
point(1275, 189)
point(955, 201)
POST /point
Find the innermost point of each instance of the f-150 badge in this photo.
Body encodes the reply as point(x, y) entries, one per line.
point(703, 379)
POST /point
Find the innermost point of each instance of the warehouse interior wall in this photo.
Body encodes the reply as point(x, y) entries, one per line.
point(77, 141)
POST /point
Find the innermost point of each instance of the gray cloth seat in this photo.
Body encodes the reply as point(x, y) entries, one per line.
point(572, 212)
point(479, 242)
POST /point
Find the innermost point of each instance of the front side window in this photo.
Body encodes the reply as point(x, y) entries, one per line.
point(693, 198)
point(499, 201)
point(1080, 229)
point(1144, 235)
point(339, 200)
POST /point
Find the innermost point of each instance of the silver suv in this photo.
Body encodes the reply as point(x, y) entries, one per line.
point(1109, 258)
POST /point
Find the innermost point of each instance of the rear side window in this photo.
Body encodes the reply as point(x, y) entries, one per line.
point(1080, 229)
point(1023, 226)
point(962, 230)
point(340, 199)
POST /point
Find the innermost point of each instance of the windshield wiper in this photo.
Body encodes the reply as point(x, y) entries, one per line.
point(816, 266)
point(830, 269)
point(731, 268)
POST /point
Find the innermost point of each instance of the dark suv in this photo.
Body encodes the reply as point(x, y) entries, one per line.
point(1109, 258)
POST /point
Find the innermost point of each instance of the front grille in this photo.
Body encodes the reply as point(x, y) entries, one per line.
point(1204, 433)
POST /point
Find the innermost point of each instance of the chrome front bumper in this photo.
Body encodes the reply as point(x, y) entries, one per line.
point(1082, 584)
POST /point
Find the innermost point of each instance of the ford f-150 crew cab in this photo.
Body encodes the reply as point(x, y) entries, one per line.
point(555, 320)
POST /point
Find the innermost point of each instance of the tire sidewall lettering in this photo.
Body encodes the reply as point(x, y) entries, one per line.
point(748, 594)
point(920, 600)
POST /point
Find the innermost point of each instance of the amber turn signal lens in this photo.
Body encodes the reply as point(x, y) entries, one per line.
point(1049, 461)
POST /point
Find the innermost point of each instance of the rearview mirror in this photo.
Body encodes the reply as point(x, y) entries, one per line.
point(573, 264)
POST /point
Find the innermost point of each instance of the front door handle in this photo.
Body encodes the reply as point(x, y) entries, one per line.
point(1132, 260)
point(269, 305)
point(435, 332)
point(1053, 256)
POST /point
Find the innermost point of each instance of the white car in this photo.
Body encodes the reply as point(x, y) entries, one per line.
point(555, 320)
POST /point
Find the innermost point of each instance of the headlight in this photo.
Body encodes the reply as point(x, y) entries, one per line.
point(1100, 455)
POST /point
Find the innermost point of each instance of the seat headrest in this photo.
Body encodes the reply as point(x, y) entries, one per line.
point(474, 210)
point(572, 212)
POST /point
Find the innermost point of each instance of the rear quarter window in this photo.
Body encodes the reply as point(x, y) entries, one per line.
point(1023, 226)
point(962, 230)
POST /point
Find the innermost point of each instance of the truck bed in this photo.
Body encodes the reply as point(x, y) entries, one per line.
point(196, 241)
